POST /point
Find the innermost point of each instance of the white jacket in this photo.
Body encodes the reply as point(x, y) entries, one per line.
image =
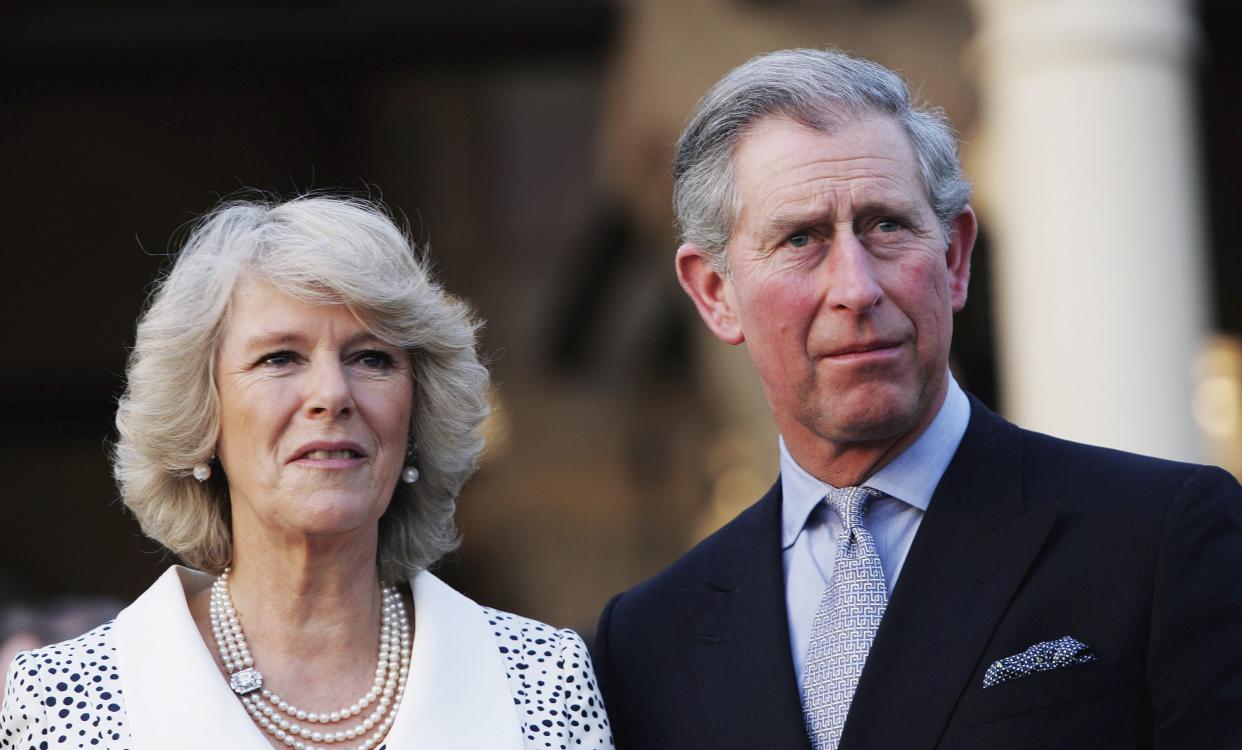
point(479, 678)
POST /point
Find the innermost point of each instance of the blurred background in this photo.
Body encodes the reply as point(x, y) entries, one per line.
point(528, 142)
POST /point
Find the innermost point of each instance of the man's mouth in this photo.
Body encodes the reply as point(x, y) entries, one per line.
point(864, 348)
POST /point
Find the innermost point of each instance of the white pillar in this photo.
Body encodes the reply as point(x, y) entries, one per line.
point(1092, 196)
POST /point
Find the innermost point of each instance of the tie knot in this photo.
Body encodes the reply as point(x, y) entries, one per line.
point(849, 503)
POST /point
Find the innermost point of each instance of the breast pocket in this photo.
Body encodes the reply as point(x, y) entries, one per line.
point(1078, 705)
point(1099, 721)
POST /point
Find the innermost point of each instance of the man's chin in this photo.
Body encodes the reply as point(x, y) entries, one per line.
point(874, 418)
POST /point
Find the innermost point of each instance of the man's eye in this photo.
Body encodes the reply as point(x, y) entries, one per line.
point(888, 225)
point(801, 239)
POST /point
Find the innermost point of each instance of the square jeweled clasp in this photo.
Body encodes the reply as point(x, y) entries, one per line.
point(246, 681)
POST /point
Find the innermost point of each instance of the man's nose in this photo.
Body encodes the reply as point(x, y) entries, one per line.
point(852, 282)
point(328, 392)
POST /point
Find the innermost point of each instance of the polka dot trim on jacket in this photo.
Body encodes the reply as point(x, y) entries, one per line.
point(65, 695)
point(68, 696)
point(552, 683)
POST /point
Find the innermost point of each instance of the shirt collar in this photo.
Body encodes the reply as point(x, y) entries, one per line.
point(910, 477)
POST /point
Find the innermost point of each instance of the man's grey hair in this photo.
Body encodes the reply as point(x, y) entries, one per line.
point(824, 90)
point(319, 250)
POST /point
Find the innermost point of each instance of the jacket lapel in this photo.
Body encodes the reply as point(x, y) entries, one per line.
point(175, 695)
point(972, 551)
point(458, 694)
point(735, 630)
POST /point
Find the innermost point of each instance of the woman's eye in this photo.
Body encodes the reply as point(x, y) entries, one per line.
point(374, 359)
point(278, 359)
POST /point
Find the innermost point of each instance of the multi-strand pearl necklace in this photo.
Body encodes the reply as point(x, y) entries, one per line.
point(282, 719)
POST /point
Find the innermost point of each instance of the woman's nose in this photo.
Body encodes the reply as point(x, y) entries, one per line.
point(328, 390)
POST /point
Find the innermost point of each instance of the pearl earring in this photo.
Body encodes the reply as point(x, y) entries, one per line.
point(202, 472)
point(409, 474)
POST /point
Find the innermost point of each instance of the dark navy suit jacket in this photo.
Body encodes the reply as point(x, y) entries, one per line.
point(1028, 538)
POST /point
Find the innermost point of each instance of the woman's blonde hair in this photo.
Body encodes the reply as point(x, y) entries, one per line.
point(320, 250)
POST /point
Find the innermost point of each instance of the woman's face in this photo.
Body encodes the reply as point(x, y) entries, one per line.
point(314, 417)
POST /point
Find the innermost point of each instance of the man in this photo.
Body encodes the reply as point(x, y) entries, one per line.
point(923, 574)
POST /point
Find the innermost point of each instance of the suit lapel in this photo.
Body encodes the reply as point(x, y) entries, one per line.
point(736, 634)
point(972, 550)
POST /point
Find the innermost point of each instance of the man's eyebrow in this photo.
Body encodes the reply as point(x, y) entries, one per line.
point(786, 222)
point(781, 223)
point(904, 208)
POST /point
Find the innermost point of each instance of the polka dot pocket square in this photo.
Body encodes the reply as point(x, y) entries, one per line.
point(1042, 657)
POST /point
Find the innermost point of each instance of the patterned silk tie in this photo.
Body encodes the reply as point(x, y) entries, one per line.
point(845, 622)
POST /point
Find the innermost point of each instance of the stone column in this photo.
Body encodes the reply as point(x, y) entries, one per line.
point(1091, 194)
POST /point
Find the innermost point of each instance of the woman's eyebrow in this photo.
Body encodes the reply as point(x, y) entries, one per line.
point(364, 337)
point(272, 339)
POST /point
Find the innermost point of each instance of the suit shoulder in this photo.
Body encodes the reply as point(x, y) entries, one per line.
point(748, 528)
point(1105, 481)
point(1079, 462)
point(1060, 464)
point(696, 564)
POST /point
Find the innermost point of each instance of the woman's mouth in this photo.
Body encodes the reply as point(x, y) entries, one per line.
point(319, 455)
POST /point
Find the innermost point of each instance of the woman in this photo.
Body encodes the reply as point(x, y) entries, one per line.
point(303, 405)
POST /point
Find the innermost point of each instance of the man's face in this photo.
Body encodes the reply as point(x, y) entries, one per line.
point(841, 284)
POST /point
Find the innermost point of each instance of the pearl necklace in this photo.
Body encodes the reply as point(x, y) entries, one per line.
point(266, 707)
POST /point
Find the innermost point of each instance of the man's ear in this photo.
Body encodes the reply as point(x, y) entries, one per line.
point(962, 233)
point(712, 294)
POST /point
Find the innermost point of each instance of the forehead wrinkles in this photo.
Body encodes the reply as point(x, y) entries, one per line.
point(780, 161)
point(825, 178)
point(786, 146)
point(824, 188)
